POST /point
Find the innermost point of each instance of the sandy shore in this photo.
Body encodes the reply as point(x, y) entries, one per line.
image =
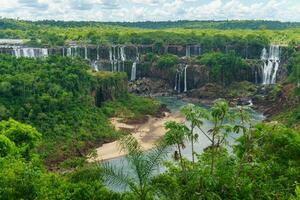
point(147, 134)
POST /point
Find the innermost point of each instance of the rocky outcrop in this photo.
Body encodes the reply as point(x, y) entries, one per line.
point(150, 87)
point(272, 100)
point(208, 91)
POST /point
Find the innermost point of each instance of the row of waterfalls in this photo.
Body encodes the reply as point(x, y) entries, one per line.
point(268, 71)
point(117, 55)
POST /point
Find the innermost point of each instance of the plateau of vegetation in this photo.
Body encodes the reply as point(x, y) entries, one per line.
point(51, 33)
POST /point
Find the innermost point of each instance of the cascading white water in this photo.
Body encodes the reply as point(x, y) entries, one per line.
point(95, 66)
point(176, 78)
point(179, 73)
point(123, 57)
point(188, 51)
point(30, 52)
point(271, 64)
point(185, 78)
point(85, 53)
point(199, 50)
point(69, 52)
point(98, 55)
point(133, 68)
point(133, 72)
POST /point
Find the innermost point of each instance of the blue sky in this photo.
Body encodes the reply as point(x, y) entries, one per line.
point(153, 10)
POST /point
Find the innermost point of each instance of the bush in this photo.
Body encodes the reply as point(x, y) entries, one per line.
point(167, 61)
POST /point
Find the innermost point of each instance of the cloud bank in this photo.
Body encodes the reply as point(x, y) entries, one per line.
point(152, 10)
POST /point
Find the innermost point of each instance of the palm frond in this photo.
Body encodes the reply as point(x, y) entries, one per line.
point(116, 176)
point(154, 158)
point(130, 144)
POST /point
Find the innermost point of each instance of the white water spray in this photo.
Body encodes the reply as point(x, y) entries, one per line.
point(271, 64)
point(185, 78)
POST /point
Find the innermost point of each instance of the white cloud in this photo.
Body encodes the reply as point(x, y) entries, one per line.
point(141, 10)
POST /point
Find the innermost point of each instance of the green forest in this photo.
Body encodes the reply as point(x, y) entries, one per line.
point(55, 112)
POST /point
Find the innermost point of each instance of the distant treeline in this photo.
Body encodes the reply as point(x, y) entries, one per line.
point(234, 24)
point(195, 24)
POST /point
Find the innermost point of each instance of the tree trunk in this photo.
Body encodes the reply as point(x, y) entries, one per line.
point(192, 143)
point(180, 156)
point(212, 155)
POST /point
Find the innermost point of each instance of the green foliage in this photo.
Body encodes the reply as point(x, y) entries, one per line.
point(7, 147)
point(264, 165)
point(294, 68)
point(131, 107)
point(290, 117)
point(167, 61)
point(54, 95)
point(224, 68)
point(241, 89)
point(23, 136)
point(142, 167)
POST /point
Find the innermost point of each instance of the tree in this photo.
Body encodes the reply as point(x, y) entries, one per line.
point(175, 135)
point(142, 167)
point(7, 147)
point(195, 115)
point(23, 136)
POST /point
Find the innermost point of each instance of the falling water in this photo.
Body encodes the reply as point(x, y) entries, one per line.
point(85, 53)
point(69, 52)
point(122, 52)
point(176, 78)
point(256, 77)
point(111, 59)
point(123, 57)
point(188, 51)
point(271, 64)
point(98, 56)
point(133, 72)
point(185, 79)
point(133, 69)
point(180, 70)
point(95, 66)
point(30, 52)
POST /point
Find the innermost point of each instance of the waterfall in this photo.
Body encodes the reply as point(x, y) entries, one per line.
point(256, 77)
point(185, 79)
point(176, 77)
point(133, 72)
point(123, 57)
point(111, 58)
point(271, 64)
point(188, 51)
point(98, 56)
point(85, 53)
point(30, 52)
point(133, 68)
point(179, 72)
point(69, 52)
point(95, 66)
point(199, 50)
point(45, 52)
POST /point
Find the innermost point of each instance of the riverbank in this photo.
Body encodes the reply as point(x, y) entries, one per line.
point(147, 134)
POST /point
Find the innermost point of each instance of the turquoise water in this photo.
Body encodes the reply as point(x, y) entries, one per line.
point(174, 104)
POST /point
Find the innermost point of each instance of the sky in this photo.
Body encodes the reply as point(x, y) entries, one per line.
point(150, 10)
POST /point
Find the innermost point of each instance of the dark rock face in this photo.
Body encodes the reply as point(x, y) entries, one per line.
point(149, 87)
point(209, 91)
point(197, 76)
